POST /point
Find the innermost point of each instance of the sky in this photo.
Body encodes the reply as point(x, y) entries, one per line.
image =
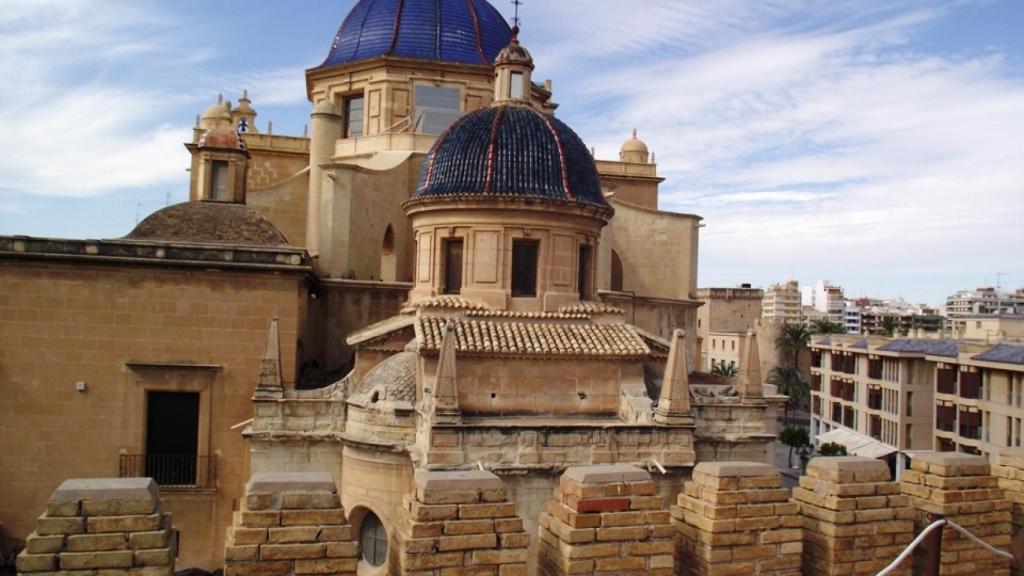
point(877, 144)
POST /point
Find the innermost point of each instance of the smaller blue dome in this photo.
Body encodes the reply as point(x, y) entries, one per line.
point(458, 31)
point(510, 152)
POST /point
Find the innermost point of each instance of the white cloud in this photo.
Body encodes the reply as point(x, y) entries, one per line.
point(70, 124)
point(834, 148)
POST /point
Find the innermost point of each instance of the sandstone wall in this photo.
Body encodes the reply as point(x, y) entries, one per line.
point(122, 331)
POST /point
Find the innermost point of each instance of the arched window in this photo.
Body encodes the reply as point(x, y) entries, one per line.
point(388, 260)
point(374, 540)
point(616, 284)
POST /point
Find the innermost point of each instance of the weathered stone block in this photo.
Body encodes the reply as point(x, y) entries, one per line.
point(312, 517)
point(326, 566)
point(154, 557)
point(146, 523)
point(467, 542)
point(46, 526)
point(292, 551)
point(144, 540)
point(36, 544)
point(118, 507)
point(258, 569)
point(89, 560)
point(97, 542)
point(36, 562)
point(291, 534)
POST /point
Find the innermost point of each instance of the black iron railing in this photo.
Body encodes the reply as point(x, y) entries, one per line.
point(171, 471)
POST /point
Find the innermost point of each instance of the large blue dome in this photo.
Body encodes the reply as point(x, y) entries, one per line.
point(459, 31)
point(510, 152)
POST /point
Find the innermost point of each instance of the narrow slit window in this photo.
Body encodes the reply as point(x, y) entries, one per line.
point(583, 274)
point(453, 266)
point(524, 268)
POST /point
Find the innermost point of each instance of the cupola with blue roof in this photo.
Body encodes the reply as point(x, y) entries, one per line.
point(518, 191)
point(454, 31)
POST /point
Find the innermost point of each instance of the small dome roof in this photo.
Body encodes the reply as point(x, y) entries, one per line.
point(222, 137)
point(217, 111)
point(510, 152)
point(459, 31)
point(393, 380)
point(514, 53)
point(209, 223)
point(634, 150)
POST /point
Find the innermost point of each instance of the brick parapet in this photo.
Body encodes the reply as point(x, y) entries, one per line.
point(961, 488)
point(736, 518)
point(605, 519)
point(1010, 474)
point(855, 519)
point(106, 525)
point(460, 522)
point(290, 524)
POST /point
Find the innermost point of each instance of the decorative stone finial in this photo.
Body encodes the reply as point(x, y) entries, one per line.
point(634, 132)
point(446, 388)
point(269, 385)
point(674, 400)
point(750, 385)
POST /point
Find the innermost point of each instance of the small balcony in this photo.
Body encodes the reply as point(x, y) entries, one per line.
point(168, 471)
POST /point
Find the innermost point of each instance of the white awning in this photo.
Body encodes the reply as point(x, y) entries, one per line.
point(857, 444)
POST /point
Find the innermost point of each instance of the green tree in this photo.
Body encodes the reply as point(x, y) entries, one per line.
point(832, 449)
point(722, 369)
point(890, 324)
point(794, 437)
point(791, 382)
point(826, 326)
point(794, 339)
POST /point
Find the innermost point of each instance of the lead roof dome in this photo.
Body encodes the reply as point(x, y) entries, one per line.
point(458, 31)
point(510, 152)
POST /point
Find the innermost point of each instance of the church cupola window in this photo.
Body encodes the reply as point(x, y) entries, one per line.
point(353, 110)
point(453, 266)
point(524, 268)
point(219, 180)
point(437, 107)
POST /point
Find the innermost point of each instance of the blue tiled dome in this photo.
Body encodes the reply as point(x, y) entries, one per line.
point(460, 31)
point(511, 152)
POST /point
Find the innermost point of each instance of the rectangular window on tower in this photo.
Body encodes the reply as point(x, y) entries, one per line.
point(583, 274)
point(437, 107)
point(453, 266)
point(353, 126)
point(524, 268)
point(172, 437)
point(516, 89)
point(219, 180)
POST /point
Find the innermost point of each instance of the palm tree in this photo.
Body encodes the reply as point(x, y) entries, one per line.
point(826, 326)
point(889, 326)
point(722, 369)
point(791, 382)
point(794, 339)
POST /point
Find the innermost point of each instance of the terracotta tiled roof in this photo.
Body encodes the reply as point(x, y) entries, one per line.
point(209, 223)
point(589, 308)
point(534, 338)
point(452, 302)
point(531, 315)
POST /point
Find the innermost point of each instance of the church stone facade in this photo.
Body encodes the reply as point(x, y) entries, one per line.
point(438, 278)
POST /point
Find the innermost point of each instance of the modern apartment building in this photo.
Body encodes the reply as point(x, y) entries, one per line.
point(880, 396)
point(869, 316)
point(782, 303)
point(985, 300)
point(827, 298)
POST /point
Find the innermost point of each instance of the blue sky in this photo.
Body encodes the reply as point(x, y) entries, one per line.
point(876, 144)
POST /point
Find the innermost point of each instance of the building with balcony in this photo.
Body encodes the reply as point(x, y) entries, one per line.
point(782, 303)
point(881, 396)
point(723, 320)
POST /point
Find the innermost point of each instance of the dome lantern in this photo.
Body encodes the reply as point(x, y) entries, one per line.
point(512, 71)
point(634, 150)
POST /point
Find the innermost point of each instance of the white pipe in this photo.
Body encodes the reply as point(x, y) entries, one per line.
point(242, 423)
point(659, 466)
point(937, 525)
